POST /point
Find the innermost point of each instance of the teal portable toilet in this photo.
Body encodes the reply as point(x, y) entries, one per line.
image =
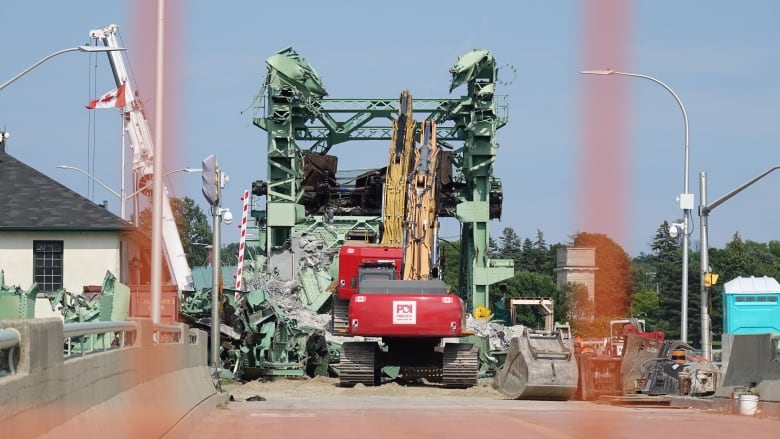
point(751, 305)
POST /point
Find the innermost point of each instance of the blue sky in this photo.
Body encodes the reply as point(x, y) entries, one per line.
point(721, 57)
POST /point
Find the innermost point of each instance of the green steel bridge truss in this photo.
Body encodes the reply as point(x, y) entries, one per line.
point(301, 122)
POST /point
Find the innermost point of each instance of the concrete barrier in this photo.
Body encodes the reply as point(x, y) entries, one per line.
point(136, 391)
point(751, 360)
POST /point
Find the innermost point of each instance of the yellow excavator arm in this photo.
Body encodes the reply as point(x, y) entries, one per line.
point(398, 162)
point(422, 223)
point(410, 209)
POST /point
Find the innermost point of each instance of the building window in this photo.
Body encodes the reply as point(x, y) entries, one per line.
point(47, 265)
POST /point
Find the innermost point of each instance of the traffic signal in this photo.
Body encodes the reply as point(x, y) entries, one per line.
point(210, 177)
point(710, 279)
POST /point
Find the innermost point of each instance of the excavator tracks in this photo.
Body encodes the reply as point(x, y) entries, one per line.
point(358, 364)
point(461, 365)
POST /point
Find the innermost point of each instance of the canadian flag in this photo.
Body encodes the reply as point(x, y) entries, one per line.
point(114, 98)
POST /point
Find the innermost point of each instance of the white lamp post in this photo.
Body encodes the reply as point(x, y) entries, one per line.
point(52, 55)
point(686, 199)
point(122, 197)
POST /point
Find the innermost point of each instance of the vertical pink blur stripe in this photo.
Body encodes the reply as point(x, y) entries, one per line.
point(605, 151)
point(604, 158)
point(142, 54)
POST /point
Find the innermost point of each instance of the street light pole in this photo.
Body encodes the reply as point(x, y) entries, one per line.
point(122, 196)
point(704, 212)
point(216, 271)
point(59, 52)
point(96, 180)
point(686, 199)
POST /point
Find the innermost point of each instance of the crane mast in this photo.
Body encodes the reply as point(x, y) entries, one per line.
point(137, 128)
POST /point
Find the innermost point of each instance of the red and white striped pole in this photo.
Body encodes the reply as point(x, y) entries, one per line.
point(242, 243)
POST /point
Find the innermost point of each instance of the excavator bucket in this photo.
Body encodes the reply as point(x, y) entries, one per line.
point(539, 365)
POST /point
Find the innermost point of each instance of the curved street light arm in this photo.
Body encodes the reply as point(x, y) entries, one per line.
point(115, 193)
point(669, 89)
point(148, 185)
point(105, 186)
point(59, 52)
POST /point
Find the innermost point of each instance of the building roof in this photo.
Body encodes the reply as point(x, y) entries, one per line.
point(752, 285)
point(30, 200)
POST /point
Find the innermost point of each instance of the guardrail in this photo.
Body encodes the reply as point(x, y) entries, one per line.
point(121, 334)
point(84, 338)
point(78, 374)
point(10, 339)
point(90, 337)
point(169, 334)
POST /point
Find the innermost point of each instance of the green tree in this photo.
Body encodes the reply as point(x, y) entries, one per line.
point(666, 262)
point(747, 258)
point(194, 229)
point(645, 299)
point(229, 254)
point(644, 303)
point(536, 256)
point(509, 245)
point(449, 254)
point(527, 284)
point(192, 223)
point(580, 304)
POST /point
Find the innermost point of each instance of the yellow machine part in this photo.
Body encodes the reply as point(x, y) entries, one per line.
point(398, 162)
point(422, 224)
point(482, 312)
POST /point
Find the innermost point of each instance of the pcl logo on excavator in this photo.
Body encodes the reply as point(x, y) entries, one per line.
point(404, 312)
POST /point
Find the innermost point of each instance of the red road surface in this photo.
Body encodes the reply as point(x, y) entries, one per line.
point(458, 417)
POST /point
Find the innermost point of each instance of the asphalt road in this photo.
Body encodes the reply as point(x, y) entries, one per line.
point(380, 417)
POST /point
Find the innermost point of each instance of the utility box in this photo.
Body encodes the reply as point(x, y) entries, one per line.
point(141, 302)
point(751, 305)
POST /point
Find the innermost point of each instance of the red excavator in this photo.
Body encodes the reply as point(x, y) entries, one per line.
point(391, 292)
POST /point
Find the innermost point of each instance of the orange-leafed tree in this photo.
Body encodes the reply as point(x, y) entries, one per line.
point(613, 282)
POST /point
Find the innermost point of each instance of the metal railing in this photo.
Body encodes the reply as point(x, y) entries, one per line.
point(84, 338)
point(91, 337)
point(10, 339)
point(168, 334)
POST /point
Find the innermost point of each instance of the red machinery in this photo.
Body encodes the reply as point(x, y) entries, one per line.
point(411, 317)
point(382, 305)
point(394, 292)
point(613, 367)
